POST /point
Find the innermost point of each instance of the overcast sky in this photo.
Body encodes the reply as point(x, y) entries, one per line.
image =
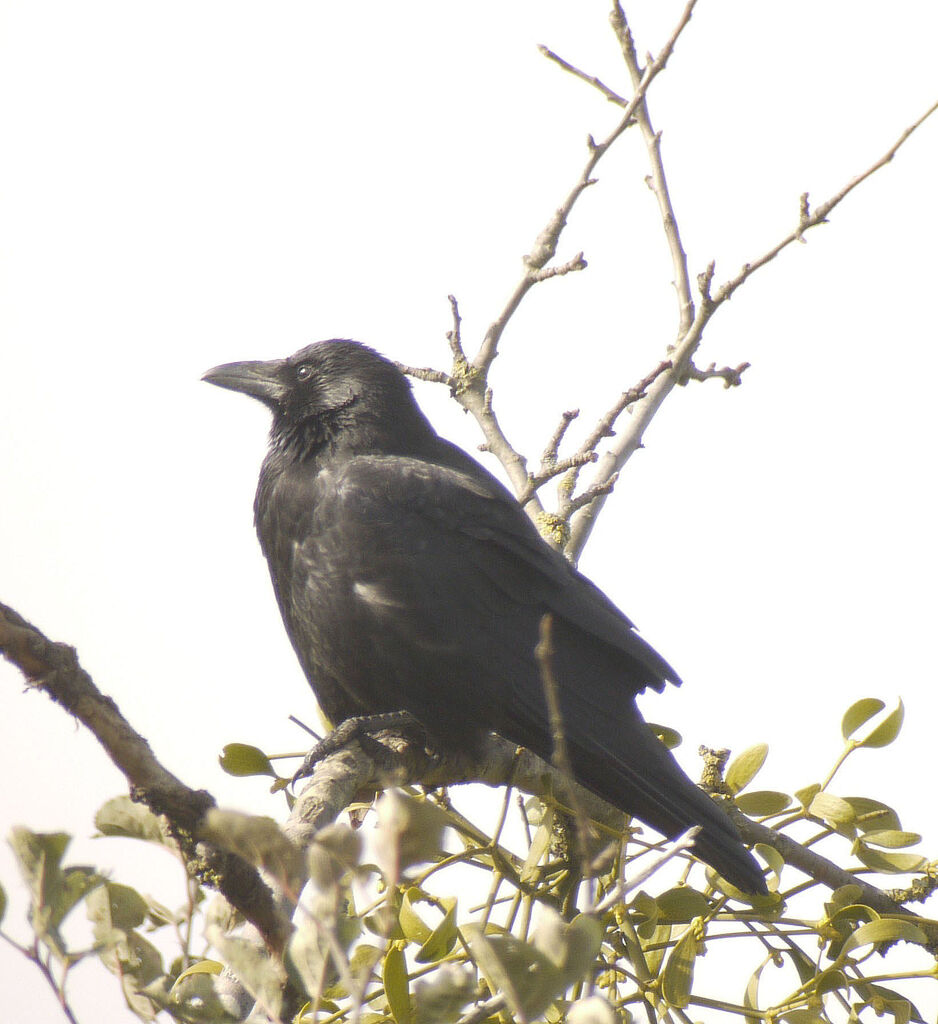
point(188, 183)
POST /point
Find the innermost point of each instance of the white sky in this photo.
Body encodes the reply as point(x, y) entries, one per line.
point(190, 183)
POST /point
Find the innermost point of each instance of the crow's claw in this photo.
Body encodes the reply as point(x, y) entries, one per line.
point(354, 729)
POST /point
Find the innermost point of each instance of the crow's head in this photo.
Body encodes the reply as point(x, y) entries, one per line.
point(337, 392)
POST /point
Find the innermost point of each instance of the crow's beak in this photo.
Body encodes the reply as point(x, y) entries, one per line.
point(261, 380)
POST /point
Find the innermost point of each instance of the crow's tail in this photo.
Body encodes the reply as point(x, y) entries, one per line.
point(642, 777)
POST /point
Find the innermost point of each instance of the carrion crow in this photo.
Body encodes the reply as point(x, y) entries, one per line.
point(410, 579)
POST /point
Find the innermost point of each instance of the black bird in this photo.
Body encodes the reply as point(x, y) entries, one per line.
point(410, 579)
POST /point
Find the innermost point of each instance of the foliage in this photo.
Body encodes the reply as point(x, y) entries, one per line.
point(418, 915)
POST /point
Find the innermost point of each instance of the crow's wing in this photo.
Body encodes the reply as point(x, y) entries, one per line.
point(411, 584)
point(426, 585)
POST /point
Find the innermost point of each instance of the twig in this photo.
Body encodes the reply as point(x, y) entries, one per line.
point(425, 373)
point(732, 376)
point(610, 94)
point(552, 449)
point(826, 871)
point(657, 181)
point(544, 653)
point(604, 428)
point(484, 1010)
point(577, 263)
point(545, 245)
point(472, 390)
point(629, 440)
point(807, 220)
point(620, 890)
point(544, 475)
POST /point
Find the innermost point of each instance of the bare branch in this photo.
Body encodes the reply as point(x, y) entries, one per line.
point(592, 493)
point(454, 337)
point(603, 429)
point(577, 263)
point(424, 373)
point(657, 180)
point(629, 440)
point(610, 95)
point(807, 220)
point(551, 451)
point(544, 654)
point(54, 669)
point(471, 377)
point(732, 376)
point(545, 474)
point(545, 245)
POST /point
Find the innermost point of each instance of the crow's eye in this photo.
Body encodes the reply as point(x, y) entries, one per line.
point(304, 371)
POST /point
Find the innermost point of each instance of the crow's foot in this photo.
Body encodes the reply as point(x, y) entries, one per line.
point(363, 727)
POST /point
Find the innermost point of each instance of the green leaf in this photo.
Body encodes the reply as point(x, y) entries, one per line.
point(682, 904)
point(527, 978)
point(259, 840)
point(873, 816)
point(762, 801)
point(844, 896)
point(253, 966)
point(194, 998)
point(408, 832)
point(744, 768)
point(539, 846)
point(678, 977)
point(117, 906)
point(887, 730)
point(772, 857)
point(804, 1016)
point(76, 884)
point(751, 995)
point(54, 891)
point(892, 839)
point(888, 863)
point(858, 714)
point(122, 817)
point(645, 913)
point(830, 980)
point(412, 924)
point(655, 947)
point(440, 999)
point(591, 1010)
point(443, 937)
point(396, 986)
point(583, 939)
point(307, 959)
point(38, 855)
point(892, 1001)
point(3, 902)
point(202, 967)
point(669, 737)
point(804, 965)
point(806, 795)
point(242, 759)
point(834, 810)
point(886, 929)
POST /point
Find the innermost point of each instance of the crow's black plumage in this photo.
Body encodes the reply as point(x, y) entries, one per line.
point(410, 579)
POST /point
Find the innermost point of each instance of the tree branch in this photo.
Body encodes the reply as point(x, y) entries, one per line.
point(470, 377)
point(657, 181)
point(630, 439)
point(54, 668)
